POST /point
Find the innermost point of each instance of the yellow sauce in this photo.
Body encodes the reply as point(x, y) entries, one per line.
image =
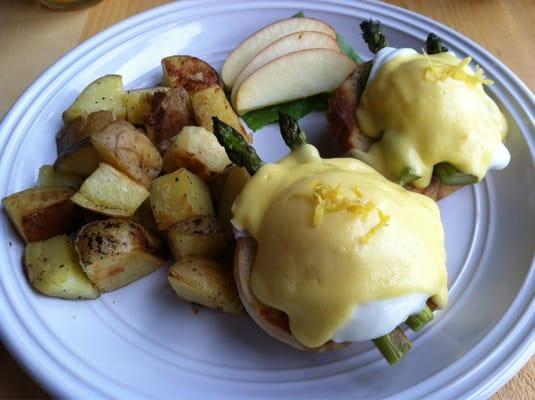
point(373, 241)
point(427, 109)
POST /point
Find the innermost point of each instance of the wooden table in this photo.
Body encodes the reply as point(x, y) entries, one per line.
point(31, 38)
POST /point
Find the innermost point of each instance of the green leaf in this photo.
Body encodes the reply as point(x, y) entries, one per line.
point(296, 109)
point(347, 49)
point(300, 14)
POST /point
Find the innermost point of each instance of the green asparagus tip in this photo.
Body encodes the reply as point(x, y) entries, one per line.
point(238, 150)
point(417, 321)
point(434, 45)
point(292, 134)
point(373, 35)
point(393, 346)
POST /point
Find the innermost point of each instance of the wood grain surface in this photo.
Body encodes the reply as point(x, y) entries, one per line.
point(31, 38)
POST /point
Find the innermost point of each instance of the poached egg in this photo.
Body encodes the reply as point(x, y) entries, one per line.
point(345, 253)
point(427, 109)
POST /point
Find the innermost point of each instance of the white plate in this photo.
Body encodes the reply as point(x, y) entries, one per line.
point(141, 341)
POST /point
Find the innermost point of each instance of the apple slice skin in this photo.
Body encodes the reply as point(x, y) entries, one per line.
point(287, 44)
point(293, 76)
point(250, 47)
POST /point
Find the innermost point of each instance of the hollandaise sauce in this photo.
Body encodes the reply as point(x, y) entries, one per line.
point(335, 237)
point(424, 110)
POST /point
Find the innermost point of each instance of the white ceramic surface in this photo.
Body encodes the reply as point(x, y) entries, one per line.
point(141, 341)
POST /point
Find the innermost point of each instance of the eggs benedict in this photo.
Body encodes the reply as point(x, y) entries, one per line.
point(420, 119)
point(330, 252)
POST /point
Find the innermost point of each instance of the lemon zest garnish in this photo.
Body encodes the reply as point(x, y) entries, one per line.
point(383, 221)
point(332, 199)
point(319, 210)
point(440, 71)
point(480, 74)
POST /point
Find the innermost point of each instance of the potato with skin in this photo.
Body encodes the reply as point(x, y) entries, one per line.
point(139, 104)
point(206, 282)
point(81, 159)
point(122, 146)
point(115, 252)
point(50, 177)
point(40, 213)
point(198, 236)
point(170, 112)
point(72, 133)
point(178, 196)
point(105, 93)
point(197, 150)
point(212, 102)
point(110, 192)
point(81, 128)
point(53, 269)
point(190, 73)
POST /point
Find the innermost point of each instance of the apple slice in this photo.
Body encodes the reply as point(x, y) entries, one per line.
point(293, 76)
point(241, 55)
point(285, 45)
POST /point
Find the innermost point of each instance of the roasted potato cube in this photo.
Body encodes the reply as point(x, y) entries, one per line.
point(82, 159)
point(40, 213)
point(145, 217)
point(106, 93)
point(198, 150)
point(216, 187)
point(110, 192)
point(121, 145)
point(212, 102)
point(234, 183)
point(116, 252)
point(50, 177)
point(53, 269)
point(170, 112)
point(206, 282)
point(139, 104)
point(82, 127)
point(189, 72)
point(178, 196)
point(198, 236)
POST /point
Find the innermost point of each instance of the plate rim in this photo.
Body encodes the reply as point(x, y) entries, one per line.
point(520, 354)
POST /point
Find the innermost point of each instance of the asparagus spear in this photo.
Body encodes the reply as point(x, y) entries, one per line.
point(373, 35)
point(417, 321)
point(434, 45)
point(393, 346)
point(449, 175)
point(238, 150)
point(407, 176)
point(292, 134)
